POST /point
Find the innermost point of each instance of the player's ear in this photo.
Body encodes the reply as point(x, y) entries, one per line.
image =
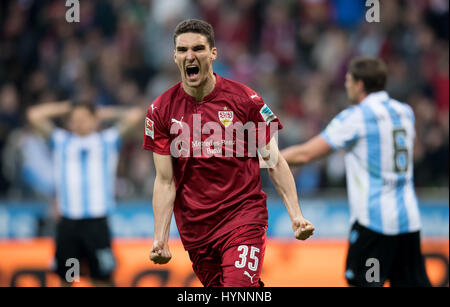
point(213, 54)
point(361, 86)
point(175, 55)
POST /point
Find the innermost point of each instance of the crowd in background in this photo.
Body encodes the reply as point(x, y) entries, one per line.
point(294, 53)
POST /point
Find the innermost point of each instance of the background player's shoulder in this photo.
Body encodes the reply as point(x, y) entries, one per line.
point(403, 108)
point(60, 134)
point(110, 134)
point(349, 113)
point(352, 109)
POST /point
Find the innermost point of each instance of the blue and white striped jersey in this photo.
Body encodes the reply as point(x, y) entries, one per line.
point(378, 136)
point(85, 171)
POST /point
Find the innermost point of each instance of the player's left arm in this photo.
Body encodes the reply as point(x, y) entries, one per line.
point(284, 183)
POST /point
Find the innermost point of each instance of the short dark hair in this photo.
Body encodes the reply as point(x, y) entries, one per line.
point(371, 71)
point(195, 26)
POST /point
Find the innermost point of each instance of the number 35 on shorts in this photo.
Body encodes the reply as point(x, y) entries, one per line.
point(252, 262)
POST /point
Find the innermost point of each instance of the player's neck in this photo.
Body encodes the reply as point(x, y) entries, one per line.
point(203, 90)
point(362, 97)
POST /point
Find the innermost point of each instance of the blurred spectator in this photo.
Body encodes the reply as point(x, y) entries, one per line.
point(9, 120)
point(292, 52)
point(28, 165)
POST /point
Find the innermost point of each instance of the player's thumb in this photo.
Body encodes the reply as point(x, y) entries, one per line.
point(309, 226)
point(302, 225)
point(156, 250)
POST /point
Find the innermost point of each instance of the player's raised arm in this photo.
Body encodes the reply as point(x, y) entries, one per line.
point(163, 198)
point(40, 116)
point(305, 153)
point(284, 183)
point(129, 118)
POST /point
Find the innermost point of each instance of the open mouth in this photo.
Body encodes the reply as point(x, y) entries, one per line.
point(192, 72)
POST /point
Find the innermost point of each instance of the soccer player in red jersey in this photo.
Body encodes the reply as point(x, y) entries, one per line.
point(205, 133)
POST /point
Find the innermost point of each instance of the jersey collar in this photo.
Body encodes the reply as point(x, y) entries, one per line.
point(376, 97)
point(208, 97)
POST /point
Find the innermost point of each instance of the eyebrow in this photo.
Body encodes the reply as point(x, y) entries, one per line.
point(196, 47)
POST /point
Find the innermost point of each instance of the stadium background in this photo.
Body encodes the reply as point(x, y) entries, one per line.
point(293, 53)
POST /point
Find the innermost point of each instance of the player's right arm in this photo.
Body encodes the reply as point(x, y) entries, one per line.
point(342, 132)
point(40, 116)
point(284, 183)
point(163, 199)
point(305, 153)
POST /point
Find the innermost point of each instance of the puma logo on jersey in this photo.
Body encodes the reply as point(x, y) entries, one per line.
point(178, 121)
point(249, 276)
point(153, 108)
point(254, 96)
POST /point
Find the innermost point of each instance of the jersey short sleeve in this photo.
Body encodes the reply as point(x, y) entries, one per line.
point(112, 136)
point(411, 116)
point(266, 122)
point(345, 129)
point(156, 133)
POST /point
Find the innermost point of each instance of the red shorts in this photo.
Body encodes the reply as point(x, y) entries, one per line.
point(234, 260)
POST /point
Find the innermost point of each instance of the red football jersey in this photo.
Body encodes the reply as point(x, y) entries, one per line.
point(216, 167)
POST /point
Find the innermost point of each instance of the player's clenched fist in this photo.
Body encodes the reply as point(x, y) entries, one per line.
point(303, 228)
point(160, 253)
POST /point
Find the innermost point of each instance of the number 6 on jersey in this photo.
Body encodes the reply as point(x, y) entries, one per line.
point(400, 150)
point(243, 261)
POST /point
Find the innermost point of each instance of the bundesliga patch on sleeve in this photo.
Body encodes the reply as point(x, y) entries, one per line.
point(149, 128)
point(267, 114)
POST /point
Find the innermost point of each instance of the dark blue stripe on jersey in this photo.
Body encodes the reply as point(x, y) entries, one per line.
point(64, 182)
point(374, 168)
point(350, 142)
point(118, 143)
point(107, 176)
point(84, 157)
point(52, 141)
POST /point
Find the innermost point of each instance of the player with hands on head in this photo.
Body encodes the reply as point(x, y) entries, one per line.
point(85, 163)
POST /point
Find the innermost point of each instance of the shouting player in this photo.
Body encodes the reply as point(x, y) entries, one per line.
point(377, 133)
point(211, 181)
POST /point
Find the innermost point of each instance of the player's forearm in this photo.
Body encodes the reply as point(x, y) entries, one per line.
point(285, 186)
point(110, 112)
point(163, 199)
point(130, 120)
point(305, 153)
point(40, 116)
point(48, 110)
point(296, 155)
